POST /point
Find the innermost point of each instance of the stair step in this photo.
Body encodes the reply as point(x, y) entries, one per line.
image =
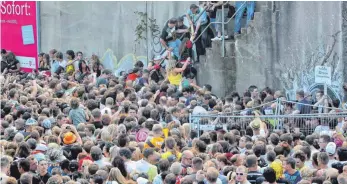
point(243, 30)
point(257, 16)
point(264, 8)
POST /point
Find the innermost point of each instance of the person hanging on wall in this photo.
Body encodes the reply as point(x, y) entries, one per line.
point(169, 38)
point(198, 19)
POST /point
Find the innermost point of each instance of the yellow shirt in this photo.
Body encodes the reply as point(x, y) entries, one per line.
point(156, 141)
point(175, 79)
point(70, 68)
point(168, 153)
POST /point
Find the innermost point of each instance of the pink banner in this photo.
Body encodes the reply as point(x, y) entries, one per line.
point(19, 32)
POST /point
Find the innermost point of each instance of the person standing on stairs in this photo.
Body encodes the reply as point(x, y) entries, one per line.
point(219, 17)
point(240, 8)
point(198, 19)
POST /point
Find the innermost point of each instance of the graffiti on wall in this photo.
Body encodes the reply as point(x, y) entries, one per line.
point(300, 75)
point(110, 61)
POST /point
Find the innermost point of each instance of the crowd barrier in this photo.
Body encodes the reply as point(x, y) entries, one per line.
point(272, 119)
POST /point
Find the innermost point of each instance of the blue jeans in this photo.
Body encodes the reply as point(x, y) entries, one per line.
point(250, 12)
point(176, 47)
point(213, 20)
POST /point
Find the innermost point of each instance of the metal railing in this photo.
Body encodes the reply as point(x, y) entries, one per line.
point(223, 23)
point(278, 119)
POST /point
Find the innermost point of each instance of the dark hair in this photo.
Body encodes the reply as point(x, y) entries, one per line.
point(201, 145)
point(71, 53)
point(291, 161)
point(80, 65)
point(98, 179)
point(79, 52)
point(336, 103)
point(73, 166)
point(125, 152)
point(208, 87)
point(65, 164)
point(3, 51)
point(119, 163)
point(193, 6)
point(163, 165)
point(269, 175)
point(123, 139)
point(287, 138)
point(307, 151)
point(342, 154)
point(172, 21)
point(75, 150)
point(251, 88)
point(300, 155)
point(274, 138)
point(271, 156)
point(25, 165)
point(23, 150)
point(139, 64)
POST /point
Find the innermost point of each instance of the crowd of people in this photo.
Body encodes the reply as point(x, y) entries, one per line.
point(76, 122)
point(72, 121)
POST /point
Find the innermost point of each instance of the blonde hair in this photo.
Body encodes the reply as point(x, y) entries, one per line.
point(243, 168)
point(171, 64)
point(106, 136)
point(116, 175)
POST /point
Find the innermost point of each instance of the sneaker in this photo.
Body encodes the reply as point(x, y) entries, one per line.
point(226, 37)
point(216, 38)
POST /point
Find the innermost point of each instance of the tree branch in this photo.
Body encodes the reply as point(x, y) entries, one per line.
point(330, 50)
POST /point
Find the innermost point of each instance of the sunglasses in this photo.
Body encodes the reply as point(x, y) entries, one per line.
point(239, 174)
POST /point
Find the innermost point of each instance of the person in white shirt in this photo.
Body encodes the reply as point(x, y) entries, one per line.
point(331, 150)
point(130, 165)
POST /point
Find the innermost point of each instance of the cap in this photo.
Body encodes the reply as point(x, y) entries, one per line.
point(47, 123)
point(255, 124)
point(331, 148)
point(69, 138)
point(41, 147)
point(31, 122)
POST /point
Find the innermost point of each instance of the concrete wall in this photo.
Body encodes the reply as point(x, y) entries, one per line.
point(95, 27)
point(286, 40)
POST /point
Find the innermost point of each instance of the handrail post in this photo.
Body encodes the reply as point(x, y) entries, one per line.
point(223, 37)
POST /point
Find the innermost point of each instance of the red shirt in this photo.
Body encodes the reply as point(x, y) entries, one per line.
point(132, 77)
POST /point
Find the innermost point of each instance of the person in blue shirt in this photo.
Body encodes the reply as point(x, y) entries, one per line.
point(194, 19)
point(290, 173)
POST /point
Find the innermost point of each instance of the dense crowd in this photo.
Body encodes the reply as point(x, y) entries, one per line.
point(73, 121)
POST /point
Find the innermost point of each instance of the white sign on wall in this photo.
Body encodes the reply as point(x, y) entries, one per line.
point(322, 74)
point(27, 62)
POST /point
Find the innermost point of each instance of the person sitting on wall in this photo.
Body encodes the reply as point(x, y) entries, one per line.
point(11, 63)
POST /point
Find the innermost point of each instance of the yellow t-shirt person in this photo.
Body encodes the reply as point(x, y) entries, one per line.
point(169, 153)
point(70, 67)
point(157, 142)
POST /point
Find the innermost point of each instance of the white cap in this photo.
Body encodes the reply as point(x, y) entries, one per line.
point(331, 148)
